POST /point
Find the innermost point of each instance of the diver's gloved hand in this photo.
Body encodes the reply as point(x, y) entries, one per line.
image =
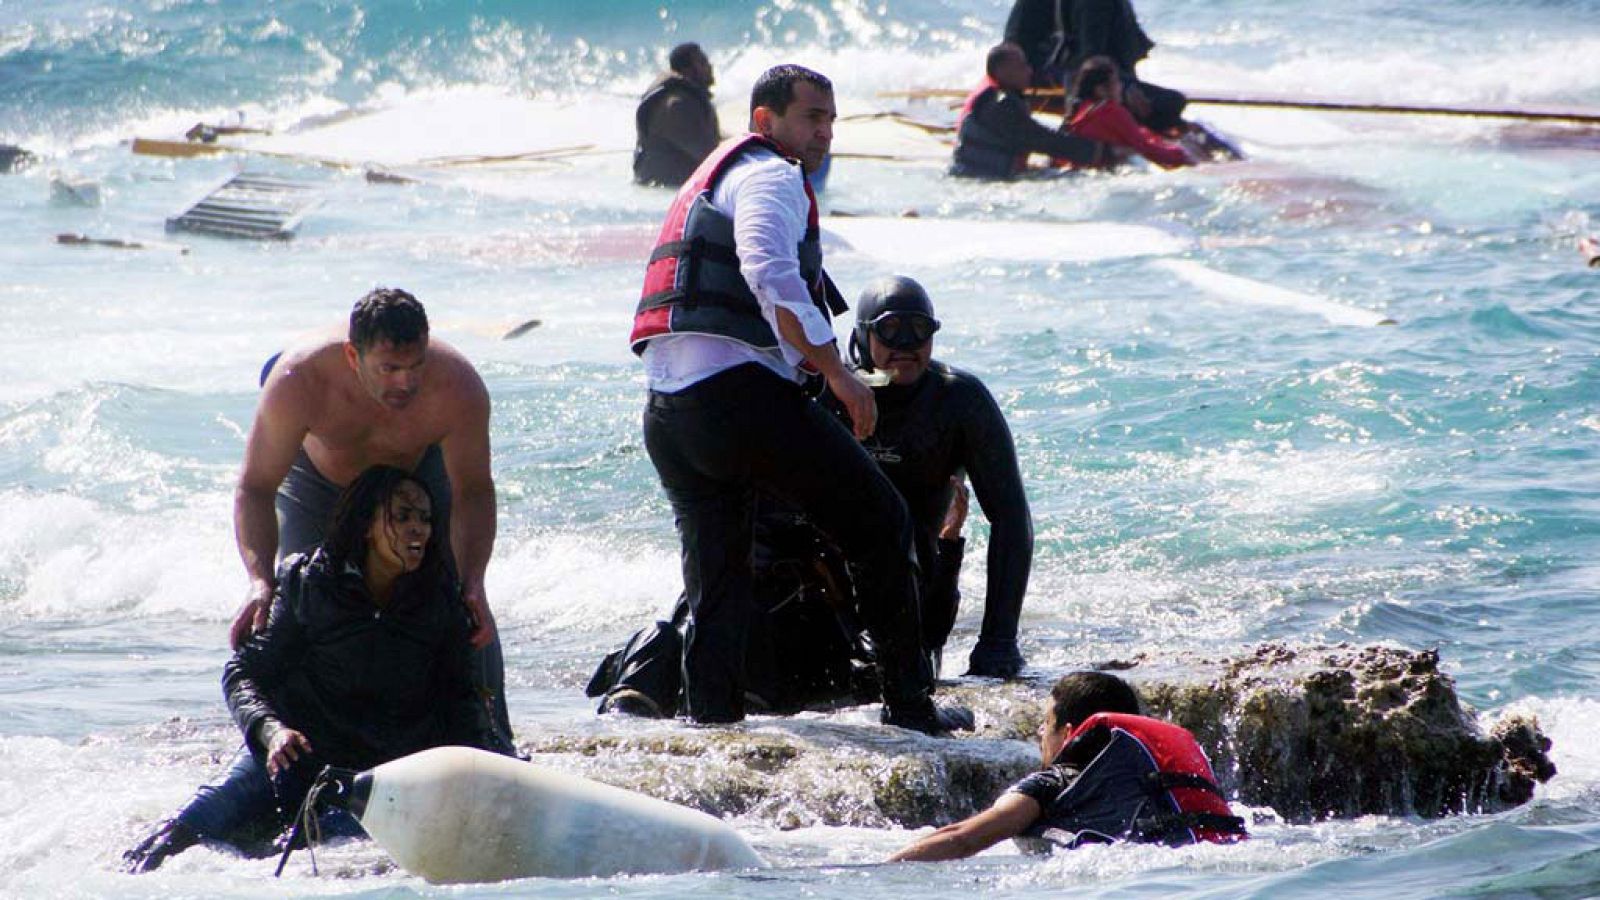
point(995, 660)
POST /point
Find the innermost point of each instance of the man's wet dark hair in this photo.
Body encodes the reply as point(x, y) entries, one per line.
point(1095, 72)
point(387, 314)
point(998, 54)
point(1079, 695)
point(775, 88)
point(364, 501)
point(683, 56)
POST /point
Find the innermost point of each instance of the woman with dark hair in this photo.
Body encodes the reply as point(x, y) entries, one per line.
point(364, 659)
point(1096, 112)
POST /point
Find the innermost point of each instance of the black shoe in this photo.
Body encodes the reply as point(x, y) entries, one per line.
point(930, 719)
point(629, 702)
point(169, 839)
point(1003, 661)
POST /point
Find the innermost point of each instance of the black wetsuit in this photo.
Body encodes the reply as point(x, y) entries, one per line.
point(998, 132)
point(948, 424)
point(677, 128)
point(803, 642)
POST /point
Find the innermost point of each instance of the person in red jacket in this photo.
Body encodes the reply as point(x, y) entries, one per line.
point(1099, 114)
point(1110, 774)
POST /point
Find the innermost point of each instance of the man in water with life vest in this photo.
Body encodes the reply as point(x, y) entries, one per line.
point(381, 394)
point(733, 316)
point(997, 130)
point(937, 425)
point(676, 120)
point(1109, 774)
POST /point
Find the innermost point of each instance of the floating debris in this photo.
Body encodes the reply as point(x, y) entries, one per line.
point(249, 205)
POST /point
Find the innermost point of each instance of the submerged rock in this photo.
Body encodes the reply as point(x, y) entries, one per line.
point(1311, 732)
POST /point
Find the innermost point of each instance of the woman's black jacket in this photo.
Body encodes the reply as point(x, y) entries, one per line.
point(364, 684)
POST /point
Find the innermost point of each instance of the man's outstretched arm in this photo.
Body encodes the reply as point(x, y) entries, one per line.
point(1007, 818)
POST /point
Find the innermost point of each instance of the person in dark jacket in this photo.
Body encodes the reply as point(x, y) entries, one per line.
point(997, 130)
point(937, 426)
point(365, 659)
point(1059, 35)
point(1035, 26)
point(676, 120)
point(1109, 774)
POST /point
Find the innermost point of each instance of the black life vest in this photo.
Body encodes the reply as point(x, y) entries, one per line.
point(1148, 781)
point(982, 152)
point(692, 284)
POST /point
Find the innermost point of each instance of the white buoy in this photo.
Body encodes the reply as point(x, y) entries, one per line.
point(457, 815)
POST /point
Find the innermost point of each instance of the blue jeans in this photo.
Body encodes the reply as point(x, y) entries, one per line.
point(247, 807)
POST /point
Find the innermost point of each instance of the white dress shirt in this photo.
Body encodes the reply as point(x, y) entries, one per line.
point(765, 196)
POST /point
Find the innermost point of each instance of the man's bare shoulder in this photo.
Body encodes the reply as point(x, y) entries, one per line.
point(457, 376)
point(303, 374)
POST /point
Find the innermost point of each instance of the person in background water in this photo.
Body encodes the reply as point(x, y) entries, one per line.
point(936, 426)
point(382, 394)
point(1034, 26)
point(365, 659)
point(733, 315)
point(1109, 774)
point(1059, 35)
point(1099, 115)
point(997, 130)
point(676, 120)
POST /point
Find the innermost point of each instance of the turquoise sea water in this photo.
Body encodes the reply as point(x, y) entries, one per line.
point(1206, 472)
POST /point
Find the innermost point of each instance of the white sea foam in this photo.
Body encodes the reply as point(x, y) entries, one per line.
point(74, 558)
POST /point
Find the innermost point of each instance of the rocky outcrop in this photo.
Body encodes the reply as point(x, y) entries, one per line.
point(1310, 732)
point(1346, 731)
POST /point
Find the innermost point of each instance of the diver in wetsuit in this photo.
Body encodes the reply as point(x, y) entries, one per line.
point(936, 422)
point(937, 425)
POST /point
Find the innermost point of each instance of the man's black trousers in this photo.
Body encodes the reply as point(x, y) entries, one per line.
point(717, 442)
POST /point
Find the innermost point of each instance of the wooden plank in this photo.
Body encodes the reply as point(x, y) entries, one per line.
point(1530, 114)
point(1579, 116)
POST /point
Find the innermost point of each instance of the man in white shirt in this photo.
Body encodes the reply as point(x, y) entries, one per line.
point(734, 315)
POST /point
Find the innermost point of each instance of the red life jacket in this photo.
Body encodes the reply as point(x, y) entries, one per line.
point(1140, 779)
point(692, 284)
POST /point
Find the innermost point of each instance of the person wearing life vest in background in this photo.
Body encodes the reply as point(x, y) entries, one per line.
point(676, 120)
point(997, 129)
point(1110, 774)
point(1096, 112)
point(733, 317)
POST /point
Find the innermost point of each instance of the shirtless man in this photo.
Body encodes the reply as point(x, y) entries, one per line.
point(333, 407)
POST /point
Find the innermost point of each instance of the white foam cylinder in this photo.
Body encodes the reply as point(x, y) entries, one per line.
point(456, 815)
